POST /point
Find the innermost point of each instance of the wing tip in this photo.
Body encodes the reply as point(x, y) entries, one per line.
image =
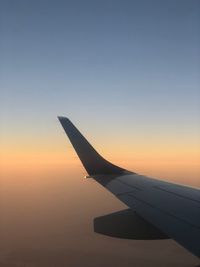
point(62, 118)
point(93, 162)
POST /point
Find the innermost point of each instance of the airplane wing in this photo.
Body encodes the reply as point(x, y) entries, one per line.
point(173, 209)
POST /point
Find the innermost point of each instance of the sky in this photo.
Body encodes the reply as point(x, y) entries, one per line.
point(125, 72)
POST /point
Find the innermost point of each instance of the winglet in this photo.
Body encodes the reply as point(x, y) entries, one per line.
point(90, 158)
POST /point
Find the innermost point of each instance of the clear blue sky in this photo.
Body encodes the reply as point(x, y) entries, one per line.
point(134, 64)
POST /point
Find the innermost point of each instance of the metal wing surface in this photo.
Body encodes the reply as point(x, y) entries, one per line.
point(173, 209)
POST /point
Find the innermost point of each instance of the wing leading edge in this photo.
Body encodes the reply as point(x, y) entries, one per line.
point(172, 209)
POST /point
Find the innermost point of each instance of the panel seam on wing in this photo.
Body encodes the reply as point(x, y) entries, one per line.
point(166, 212)
point(177, 194)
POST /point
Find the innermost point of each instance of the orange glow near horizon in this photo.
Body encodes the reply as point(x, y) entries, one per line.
point(174, 162)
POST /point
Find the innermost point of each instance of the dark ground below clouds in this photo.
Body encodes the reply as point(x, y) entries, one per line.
point(47, 221)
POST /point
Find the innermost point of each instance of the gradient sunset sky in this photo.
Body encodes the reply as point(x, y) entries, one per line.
point(125, 72)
